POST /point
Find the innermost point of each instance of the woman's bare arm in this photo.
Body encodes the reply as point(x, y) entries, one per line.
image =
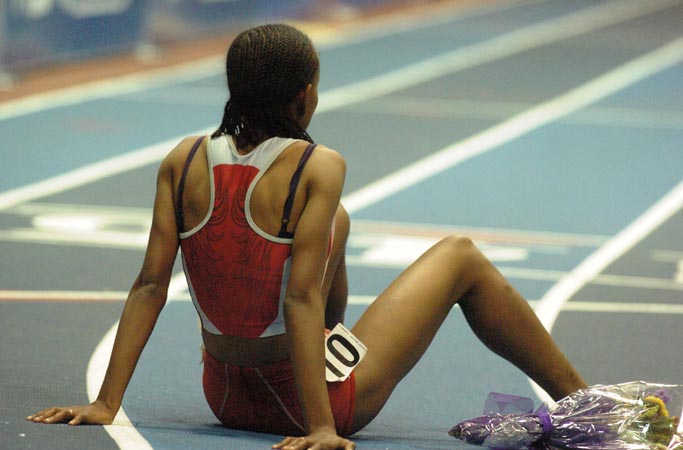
point(145, 301)
point(304, 306)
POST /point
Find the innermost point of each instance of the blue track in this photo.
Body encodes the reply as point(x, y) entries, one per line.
point(540, 204)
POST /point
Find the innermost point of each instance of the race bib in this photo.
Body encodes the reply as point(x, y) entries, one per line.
point(343, 352)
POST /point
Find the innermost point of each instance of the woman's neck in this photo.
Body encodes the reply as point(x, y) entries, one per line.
point(247, 148)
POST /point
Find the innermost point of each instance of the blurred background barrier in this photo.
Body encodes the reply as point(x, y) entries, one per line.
point(36, 33)
point(170, 20)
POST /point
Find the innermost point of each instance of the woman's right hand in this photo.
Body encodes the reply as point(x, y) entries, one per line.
point(96, 413)
point(320, 440)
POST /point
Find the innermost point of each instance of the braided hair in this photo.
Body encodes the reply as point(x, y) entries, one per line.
point(266, 68)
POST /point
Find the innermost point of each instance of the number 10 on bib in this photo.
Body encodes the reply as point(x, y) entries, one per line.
point(343, 352)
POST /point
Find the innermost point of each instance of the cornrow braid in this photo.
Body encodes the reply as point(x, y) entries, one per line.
point(266, 68)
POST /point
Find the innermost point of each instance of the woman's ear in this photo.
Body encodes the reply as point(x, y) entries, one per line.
point(300, 107)
point(302, 100)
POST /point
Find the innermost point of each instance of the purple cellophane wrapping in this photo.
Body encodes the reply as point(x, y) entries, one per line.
point(605, 417)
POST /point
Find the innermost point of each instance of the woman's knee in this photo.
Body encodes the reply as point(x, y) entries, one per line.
point(464, 254)
point(462, 247)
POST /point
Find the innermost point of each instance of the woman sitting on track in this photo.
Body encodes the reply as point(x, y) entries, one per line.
point(255, 210)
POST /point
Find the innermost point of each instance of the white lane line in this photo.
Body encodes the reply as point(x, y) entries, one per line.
point(525, 273)
point(384, 27)
point(448, 109)
point(553, 301)
point(91, 172)
point(508, 272)
point(183, 296)
point(518, 125)
point(672, 257)
point(557, 297)
point(37, 208)
point(502, 46)
point(598, 307)
point(214, 65)
point(628, 281)
point(24, 295)
point(371, 228)
point(508, 44)
point(667, 255)
point(624, 307)
point(122, 430)
point(112, 239)
point(122, 85)
point(179, 285)
point(128, 227)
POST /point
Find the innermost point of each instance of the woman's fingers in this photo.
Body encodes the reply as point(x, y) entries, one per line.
point(95, 413)
point(304, 443)
point(61, 415)
point(52, 415)
point(286, 442)
point(41, 415)
point(292, 443)
point(77, 420)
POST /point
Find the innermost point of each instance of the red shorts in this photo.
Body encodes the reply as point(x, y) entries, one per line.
point(265, 399)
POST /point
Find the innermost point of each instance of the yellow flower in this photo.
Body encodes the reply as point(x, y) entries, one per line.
point(656, 401)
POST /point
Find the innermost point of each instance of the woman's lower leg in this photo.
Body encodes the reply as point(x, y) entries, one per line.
point(503, 320)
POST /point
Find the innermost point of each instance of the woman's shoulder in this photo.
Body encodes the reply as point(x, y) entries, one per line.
point(329, 156)
point(181, 151)
point(328, 167)
point(330, 152)
point(322, 154)
point(185, 146)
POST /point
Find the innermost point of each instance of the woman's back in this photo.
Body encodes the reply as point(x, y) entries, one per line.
point(267, 200)
point(237, 264)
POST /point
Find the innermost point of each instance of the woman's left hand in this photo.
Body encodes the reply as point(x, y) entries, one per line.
point(322, 440)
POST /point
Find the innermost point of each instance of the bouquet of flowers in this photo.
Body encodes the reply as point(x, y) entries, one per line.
point(628, 416)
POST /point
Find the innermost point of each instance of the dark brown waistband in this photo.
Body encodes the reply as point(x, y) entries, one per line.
point(246, 352)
